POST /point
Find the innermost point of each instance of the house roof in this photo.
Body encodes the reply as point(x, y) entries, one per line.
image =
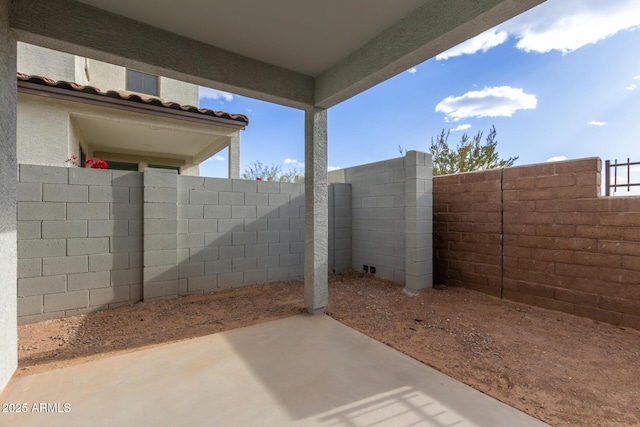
point(119, 99)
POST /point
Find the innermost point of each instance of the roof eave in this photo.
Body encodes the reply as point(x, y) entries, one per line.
point(121, 104)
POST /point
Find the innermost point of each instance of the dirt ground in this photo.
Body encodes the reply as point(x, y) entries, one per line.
point(564, 370)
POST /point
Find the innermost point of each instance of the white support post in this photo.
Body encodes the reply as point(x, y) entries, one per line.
point(316, 247)
point(234, 156)
point(8, 179)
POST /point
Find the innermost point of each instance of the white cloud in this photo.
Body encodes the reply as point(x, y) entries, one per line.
point(631, 87)
point(636, 78)
point(412, 70)
point(500, 101)
point(622, 172)
point(293, 162)
point(300, 165)
point(460, 127)
point(208, 93)
point(596, 123)
point(217, 158)
point(562, 25)
point(557, 159)
point(482, 42)
point(568, 25)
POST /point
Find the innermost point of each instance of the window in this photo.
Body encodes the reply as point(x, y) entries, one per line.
point(123, 166)
point(142, 83)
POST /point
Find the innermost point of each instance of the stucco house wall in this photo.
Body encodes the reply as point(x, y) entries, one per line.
point(43, 131)
point(40, 61)
point(99, 74)
point(46, 62)
point(177, 91)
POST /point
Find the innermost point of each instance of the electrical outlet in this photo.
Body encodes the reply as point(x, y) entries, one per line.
point(365, 268)
point(372, 270)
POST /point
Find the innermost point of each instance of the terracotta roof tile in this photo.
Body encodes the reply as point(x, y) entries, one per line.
point(130, 97)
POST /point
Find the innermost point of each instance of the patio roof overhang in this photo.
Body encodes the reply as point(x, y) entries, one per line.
point(292, 52)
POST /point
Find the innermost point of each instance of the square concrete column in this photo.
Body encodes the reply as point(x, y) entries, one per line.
point(418, 193)
point(316, 247)
point(8, 175)
point(234, 156)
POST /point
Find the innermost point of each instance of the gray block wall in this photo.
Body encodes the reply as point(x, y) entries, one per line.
point(377, 212)
point(339, 227)
point(237, 232)
point(391, 218)
point(160, 257)
point(94, 239)
point(79, 240)
point(418, 190)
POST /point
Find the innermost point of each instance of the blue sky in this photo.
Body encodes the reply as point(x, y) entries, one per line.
point(559, 81)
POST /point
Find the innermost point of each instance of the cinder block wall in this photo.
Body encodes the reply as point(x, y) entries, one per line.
point(237, 232)
point(565, 247)
point(94, 239)
point(339, 227)
point(160, 213)
point(467, 230)
point(377, 212)
point(79, 240)
point(391, 218)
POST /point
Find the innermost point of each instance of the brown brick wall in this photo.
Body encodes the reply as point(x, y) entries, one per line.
point(564, 248)
point(467, 227)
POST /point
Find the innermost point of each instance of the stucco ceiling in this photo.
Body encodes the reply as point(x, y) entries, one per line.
point(306, 36)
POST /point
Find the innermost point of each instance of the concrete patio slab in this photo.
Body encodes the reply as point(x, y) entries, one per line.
point(300, 371)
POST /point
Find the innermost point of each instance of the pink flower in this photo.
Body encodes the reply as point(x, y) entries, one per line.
point(89, 163)
point(96, 164)
point(100, 164)
point(258, 179)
